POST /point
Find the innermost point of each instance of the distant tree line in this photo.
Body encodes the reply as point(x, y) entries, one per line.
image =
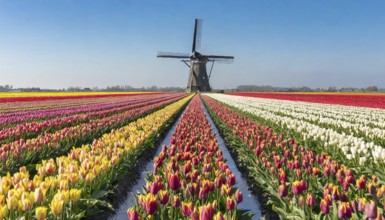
point(124, 88)
point(268, 88)
point(6, 88)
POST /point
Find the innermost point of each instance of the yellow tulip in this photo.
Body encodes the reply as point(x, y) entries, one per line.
point(56, 206)
point(75, 194)
point(63, 195)
point(74, 177)
point(89, 178)
point(12, 200)
point(64, 185)
point(3, 211)
point(41, 213)
point(26, 204)
point(39, 195)
point(2, 201)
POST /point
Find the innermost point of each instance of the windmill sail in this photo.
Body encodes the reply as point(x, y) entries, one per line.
point(198, 79)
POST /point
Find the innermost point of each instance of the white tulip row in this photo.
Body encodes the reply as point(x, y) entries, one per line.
point(353, 147)
point(354, 123)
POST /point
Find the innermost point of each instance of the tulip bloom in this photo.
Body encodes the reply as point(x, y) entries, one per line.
point(150, 204)
point(187, 208)
point(219, 216)
point(41, 213)
point(163, 197)
point(230, 203)
point(238, 196)
point(324, 206)
point(56, 207)
point(297, 187)
point(39, 195)
point(75, 194)
point(310, 201)
point(173, 181)
point(206, 212)
point(175, 201)
point(132, 214)
point(231, 180)
point(344, 210)
point(361, 182)
point(371, 210)
point(282, 191)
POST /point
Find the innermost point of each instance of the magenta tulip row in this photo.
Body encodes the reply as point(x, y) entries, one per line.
point(8, 107)
point(22, 116)
point(301, 181)
point(32, 129)
point(22, 152)
point(190, 179)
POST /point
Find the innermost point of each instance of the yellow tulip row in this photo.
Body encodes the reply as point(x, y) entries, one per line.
point(62, 187)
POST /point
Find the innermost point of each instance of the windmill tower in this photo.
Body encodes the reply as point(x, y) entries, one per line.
point(198, 79)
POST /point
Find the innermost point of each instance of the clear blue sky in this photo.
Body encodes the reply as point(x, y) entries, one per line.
point(61, 43)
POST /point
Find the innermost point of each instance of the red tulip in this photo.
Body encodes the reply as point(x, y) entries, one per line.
point(187, 208)
point(282, 176)
point(206, 167)
point(195, 215)
point(361, 182)
point(151, 204)
point(175, 201)
point(371, 210)
point(173, 181)
point(219, 216)
point(372, 188)
point(361, 204)
point(238, 196)
point(230, 204)
point(344, 210)
point(206, 212)
point(231, 180)
point(187, 167)
point(324, 206)
point(163, 197)
point(132, 214)
point(310, 201)
point(282, 191)
point(296, 187)
point(202, 194)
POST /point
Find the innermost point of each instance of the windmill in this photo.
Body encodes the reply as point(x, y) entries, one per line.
point(198, 79)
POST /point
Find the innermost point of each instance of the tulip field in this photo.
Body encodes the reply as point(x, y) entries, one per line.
point(58, 162)
point(303, 156)
point(190, 179)
point(314, 161)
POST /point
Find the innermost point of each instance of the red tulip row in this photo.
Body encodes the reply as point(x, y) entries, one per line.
point(190, 177)
point(301, 182)
point(32, 129)
point(357, 99)
point(48, 145)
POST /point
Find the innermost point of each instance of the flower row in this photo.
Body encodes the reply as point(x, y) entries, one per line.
point(8, 107)
point(21, 152)
point(349, 99)
point(301, 182)
point(21, 116)
point(190, 177)
point(71, 186)
point(365, 122)
point(353, 147)
point(32, 129)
